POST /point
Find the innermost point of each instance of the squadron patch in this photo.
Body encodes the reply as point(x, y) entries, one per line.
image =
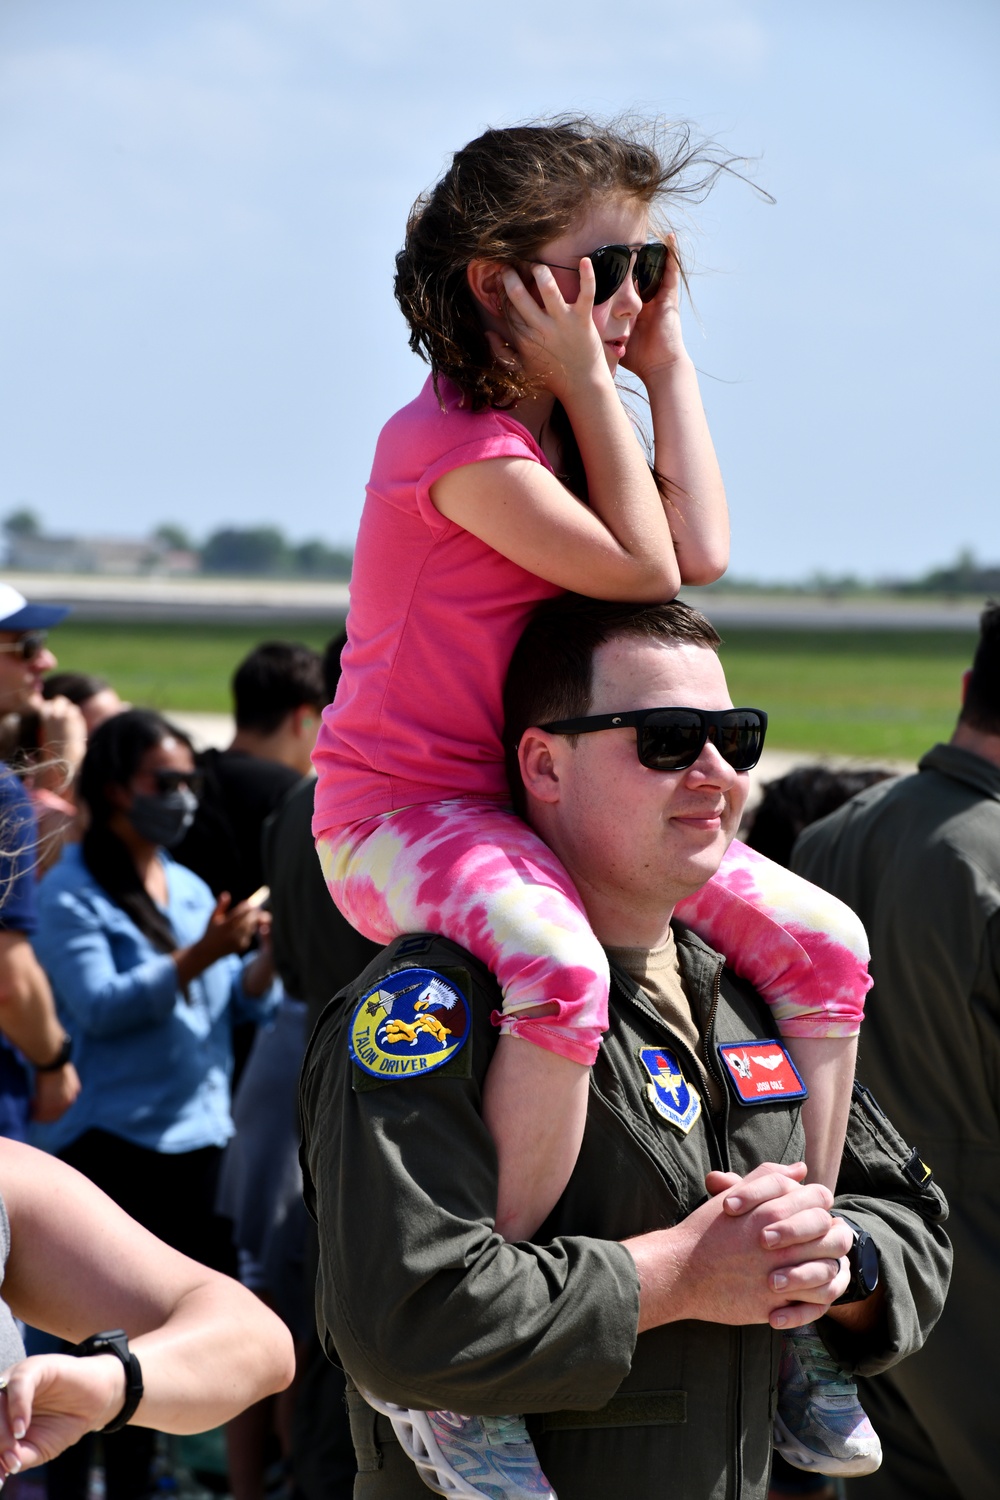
point(669, 1091)
point(761, 1072)
point(413, 1022)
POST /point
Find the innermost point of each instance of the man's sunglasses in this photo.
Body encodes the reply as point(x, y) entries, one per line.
point(27, 646)
point(612, 264)
point(671, 739)
point(169, 781)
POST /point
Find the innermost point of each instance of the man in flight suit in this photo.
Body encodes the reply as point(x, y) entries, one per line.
point(639, 1329)
point(919, 861)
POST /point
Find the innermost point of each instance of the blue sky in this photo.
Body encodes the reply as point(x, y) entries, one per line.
point(203, 199)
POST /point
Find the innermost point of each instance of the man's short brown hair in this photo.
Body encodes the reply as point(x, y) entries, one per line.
point(551, 672)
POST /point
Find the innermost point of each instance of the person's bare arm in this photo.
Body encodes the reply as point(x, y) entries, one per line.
point(685, 456)
point(28, 1020)
point(78, 1264)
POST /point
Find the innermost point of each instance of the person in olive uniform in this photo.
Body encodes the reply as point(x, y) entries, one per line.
point(639, 1330)
point(919, 861)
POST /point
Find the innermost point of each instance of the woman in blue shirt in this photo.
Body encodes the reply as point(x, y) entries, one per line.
point(146, 969)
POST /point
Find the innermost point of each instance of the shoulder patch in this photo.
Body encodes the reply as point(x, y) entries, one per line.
point(761, 1072)
point(668, 1090)
point(412, 1022)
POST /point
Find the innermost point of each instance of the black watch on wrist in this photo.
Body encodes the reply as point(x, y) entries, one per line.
point(60, 1060)
point(862, 1259)
point(115, 1341)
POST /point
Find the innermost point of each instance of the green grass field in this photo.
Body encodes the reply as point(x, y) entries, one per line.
point(876, 693)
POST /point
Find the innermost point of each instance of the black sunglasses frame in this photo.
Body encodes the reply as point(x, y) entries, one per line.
point(169, 781)
point(27, 646)
point(614, 262)
point(711, 724)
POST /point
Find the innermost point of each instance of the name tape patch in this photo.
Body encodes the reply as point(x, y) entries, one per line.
point(761, 1072)
point(668, 1090)
point(412, 1022)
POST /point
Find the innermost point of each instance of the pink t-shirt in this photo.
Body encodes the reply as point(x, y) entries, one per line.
point(435, 616)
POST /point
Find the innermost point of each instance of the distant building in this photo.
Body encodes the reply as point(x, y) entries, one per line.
point(113, 555)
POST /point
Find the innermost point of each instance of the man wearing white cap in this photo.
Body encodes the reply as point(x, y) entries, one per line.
point(28, 1020)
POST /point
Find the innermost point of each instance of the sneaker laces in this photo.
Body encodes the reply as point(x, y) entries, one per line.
point(505, 1429)
point(820, 1367)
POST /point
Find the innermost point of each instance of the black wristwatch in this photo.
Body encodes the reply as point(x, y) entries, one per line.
point(862, 1258)
point(115, 1341)
point(60, 1060)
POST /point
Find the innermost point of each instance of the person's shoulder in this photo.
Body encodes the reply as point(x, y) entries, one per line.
point(443, 419)
point(409, 967)
point(12, 790)
point(69, 883)
point(253, 781)
point(853, 818)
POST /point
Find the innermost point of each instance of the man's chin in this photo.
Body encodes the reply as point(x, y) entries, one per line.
point(700, 866)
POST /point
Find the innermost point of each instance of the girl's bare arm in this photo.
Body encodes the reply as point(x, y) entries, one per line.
point(684, 453)
point(618, 547)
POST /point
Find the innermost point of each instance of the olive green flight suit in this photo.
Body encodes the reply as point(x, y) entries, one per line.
point(427, 1306)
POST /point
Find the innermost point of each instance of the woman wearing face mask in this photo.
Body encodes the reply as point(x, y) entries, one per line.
point(148, 976)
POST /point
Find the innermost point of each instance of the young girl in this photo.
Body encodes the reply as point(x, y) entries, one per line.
point(530, 274)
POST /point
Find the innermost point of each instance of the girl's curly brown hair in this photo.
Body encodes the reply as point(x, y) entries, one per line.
point(505, 195)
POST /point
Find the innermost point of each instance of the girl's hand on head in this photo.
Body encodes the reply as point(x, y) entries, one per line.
point(657, 341)
point(556, 343)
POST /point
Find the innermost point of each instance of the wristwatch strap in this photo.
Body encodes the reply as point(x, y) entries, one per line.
point(863, 1261)
point(115, 1341)
point(60, 1060)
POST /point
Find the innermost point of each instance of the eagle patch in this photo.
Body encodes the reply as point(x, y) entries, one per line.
point(412, 1022)
point(668, 1090)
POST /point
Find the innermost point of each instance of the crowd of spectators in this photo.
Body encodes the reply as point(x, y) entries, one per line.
point(164, 929)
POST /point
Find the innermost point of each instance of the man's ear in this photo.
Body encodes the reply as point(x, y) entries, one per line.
point(966, 679)
point(485, 278)
point(538, 756)
point(305, 720)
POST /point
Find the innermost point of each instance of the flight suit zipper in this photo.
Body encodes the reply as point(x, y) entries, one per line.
point(718, 1145)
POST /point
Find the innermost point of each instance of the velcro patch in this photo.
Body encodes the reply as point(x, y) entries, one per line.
point(761, 1072)
point(668, 1090)
point(411, 1023)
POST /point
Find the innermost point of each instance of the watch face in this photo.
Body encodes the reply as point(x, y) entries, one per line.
point(867, 1262)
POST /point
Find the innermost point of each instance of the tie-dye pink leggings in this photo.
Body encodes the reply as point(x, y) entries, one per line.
point(472, 870)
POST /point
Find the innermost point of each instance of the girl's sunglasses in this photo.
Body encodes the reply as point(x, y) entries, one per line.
point(612, 264)
point(671, 739)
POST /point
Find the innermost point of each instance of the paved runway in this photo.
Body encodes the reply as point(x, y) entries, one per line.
point(256, 601)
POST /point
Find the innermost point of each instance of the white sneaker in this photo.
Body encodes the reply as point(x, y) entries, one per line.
point(820, 1424)
point(468, 1458)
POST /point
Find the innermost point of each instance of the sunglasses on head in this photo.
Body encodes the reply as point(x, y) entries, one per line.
point(671, 739)
point(612, 264)
point(27, 646)
point(169, 781)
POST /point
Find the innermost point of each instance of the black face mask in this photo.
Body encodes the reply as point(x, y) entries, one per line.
point(165, 818)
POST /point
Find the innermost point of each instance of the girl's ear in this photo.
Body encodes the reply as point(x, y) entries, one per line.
point(485, 278)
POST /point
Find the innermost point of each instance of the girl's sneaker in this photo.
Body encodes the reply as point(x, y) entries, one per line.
point(468, 1458)
point(820, 1425)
